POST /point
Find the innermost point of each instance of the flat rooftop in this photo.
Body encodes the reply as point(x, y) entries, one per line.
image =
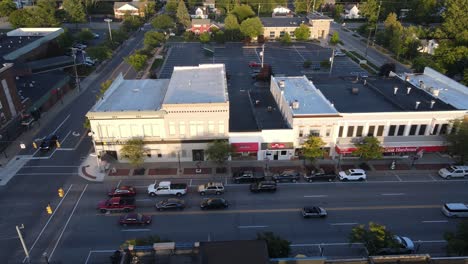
point(300, 90)
point(283, 21)
point(205, 83)
point(133, 95)
point(9, 44)
point(378, 95)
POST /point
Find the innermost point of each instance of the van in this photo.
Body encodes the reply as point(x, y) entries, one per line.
point(455, 210)
point(454, 172)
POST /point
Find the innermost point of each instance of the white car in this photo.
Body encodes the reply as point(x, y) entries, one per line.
point(90, 62)
point(339, 53)
point(454, 172)
point(352, 175)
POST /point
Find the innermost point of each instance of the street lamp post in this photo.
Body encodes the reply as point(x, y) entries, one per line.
point(20, 235)
point(332, 58)
point(108, 20)
point(77, 79)
point(262, 53)
point(46, 257)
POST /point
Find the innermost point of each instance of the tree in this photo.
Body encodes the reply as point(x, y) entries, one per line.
point(85, 35)
point(219, 151)
point(162, 21)
point(375, 237)
point(7, 7)
point(150, 8)
point(393, 34)
point(313, 147)
point(43, 14)
point(251, 27)
point(242, 12)
point(133, 151)
point(302, 32)
point(100, 52)
point(306, 6)
point(457, 242)
point(386, 68)
point(339, 9)
point(277, 246)
point(231, 23)
point(137, 61)
point(455, 23)
point(131, 23)
point(104, 87)
point(220, 37)
point(421, 10)
point(369, 9)
point(65, 40)
point(369, 148)
point(335, 38)
point(458, 138)
point(153, 39)
point(227, 5)
point(75, 10)
point(286, 39)
point(182, 15)
point(171, 6)
point(205, 37)
point(20, 18)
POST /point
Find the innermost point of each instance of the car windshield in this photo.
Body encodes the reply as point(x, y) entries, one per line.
point(348, 172)
point(139, 217)
point(401, 241)
point(451, 169)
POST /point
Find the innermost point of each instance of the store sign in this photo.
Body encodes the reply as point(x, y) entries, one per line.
point(246, 147)
point(281, 145)
point(400, 149)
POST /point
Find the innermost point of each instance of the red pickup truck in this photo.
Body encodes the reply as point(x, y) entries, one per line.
point(117, 204)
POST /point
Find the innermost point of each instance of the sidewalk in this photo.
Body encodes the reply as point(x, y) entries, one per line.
point(90, 171)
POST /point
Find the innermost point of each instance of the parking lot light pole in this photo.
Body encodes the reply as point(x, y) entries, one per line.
point(108, 20)
point(20, 235)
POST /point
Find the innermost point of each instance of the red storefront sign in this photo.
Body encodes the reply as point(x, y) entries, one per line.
point(246, 147)
point(348, 150)
point(400, 149)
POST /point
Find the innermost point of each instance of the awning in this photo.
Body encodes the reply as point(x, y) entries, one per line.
point(245, 147)
point(392, 148)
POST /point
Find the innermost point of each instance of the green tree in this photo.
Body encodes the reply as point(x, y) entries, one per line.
point(153, 39)
point(393, 34)
point(137, 61)
point(369, 148)
point(171, 6)
point(86, 124)
point(313, 147)
point(85, 35)
point(251, 27)
point(20, 18)
point(100, 52)
point(182, 14)
point(302, 32)
point(458, 139)
point(134, 151)
point(162, 21)
point(6, 7)
point(421, 10)
point(226, 5)
point(75, 10)
point(205, 37)
point(43, 14)
point(335, 38)
point(150, 8)
point(307, 6)
point(457, 242)
point(425, 60)
point(231, 23)
point(219, 151)
point(277, 246)
point(104, 87)
point(191, 3)
point(242, 12)
point(131, 23)
point(455, 23)
point(286, 39)
point(375, 237)
point(369, 9)
point(339, 9)
point(65, 40)
point(220, 37)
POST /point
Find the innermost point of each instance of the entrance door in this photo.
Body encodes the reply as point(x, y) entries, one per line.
point(112, 153)
point(198, 155)
point(275, 155)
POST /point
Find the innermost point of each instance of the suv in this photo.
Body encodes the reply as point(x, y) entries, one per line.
point(211, 188)
point(287, 176)
point(320, 175)
point(247, 176)
point(214, 203)
point(454, 172)
point(352, 175)
point(403, 245)
point(48, 142)
point(263, 186)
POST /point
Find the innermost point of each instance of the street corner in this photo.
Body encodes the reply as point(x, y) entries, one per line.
point(91, 170)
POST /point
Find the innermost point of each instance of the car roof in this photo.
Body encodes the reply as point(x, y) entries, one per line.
point(214, 199)
point(268, 182)
point(125, 187)
point(356, 170)
point(214, 184)
point(456, 206)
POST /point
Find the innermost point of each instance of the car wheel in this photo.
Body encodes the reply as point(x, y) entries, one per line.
point(345, 179)
point(126, 210)
point(448, 177)
point(360, 179)
point(330, 180)
point(152, 194)
point(310, 180)
point(103, 211)
point(218, 193)
point(202, 193)
point(294, 180)
point(277, 181)
point(178, 194)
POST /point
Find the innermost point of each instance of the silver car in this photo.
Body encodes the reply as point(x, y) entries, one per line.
point(211, 188)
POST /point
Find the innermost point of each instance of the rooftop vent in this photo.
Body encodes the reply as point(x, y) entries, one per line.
point(281, 84)
point(295, 104)
point(407, 78)
point(136, 90)
point(416, 105)
point(408, 90)
point(395, 90)
point(355, 90)
point(435, 92)
point(432, 104)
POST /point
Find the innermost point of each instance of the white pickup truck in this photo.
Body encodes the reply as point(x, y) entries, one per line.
point(167, 188)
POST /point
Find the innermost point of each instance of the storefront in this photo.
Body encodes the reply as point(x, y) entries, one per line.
point(245, 151)
point(392, 151)
point(278, 151)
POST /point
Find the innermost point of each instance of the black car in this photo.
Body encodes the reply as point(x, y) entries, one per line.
point(247, 176)
point(48, 142)
point(170, 204)
point(320, 175)
point(263, 186)
point(313, 211)
point(287, 176)
point(214, 203)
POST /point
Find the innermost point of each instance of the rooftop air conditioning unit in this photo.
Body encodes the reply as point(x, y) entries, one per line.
point(281, 84)
point(295, 104)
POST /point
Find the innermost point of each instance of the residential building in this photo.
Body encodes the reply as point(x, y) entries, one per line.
point(428, 46)
point(276, 27)
point(210, 4)
point(200, 13)
point(281, 11)
point(351, 12)
point(176, 118)
point(134, 8)
point(200, 26)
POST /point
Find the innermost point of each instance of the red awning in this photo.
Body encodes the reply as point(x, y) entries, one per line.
point(246, 147)
point(344, 150)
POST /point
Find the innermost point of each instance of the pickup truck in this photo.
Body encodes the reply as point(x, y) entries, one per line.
point(247, 177)
point(167, 188)
point(117, 204)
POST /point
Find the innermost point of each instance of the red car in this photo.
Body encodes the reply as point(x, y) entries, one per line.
point(254, 64)
point(122, 191)
point(135, 219)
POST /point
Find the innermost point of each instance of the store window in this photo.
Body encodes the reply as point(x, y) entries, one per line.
point(401, 130)
point(422, 130)
point(359, 131)
point(350, 131)
point(272, 34)
point(413, 129)
point(328, 132)
point(282, 34)
point(284, 153)
point(391, 130)
point(340, 132)
point(443, 129)
point(370, 132)
point(435, 129)
point(380, 131)
point(315, 133)
point(301, 131)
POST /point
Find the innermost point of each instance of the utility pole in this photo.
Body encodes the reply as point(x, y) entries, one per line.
point(108, 20)
point(262, 54)
point(331, 61)
point(258, 10)
point(377, 23)
point(20, 235)
point(77, 79)
point(370, 30)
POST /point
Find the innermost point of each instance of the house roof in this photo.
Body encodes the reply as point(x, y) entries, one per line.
point(201, 21)
point(246, 252)
point(350, 6)
point(209, 2)
point(283, 21)
point(134, 4)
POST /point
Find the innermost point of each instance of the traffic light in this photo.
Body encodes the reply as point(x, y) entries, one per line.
point(49, 209)
point(57, 143)
point(35, 145)
point(61, 193)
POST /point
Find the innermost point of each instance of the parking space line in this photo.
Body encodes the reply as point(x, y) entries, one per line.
point(66, 118)
point(97, 251)
point(342, 224)
point(155, 181)
point(65, 138)
point(435, 221)
point(432, 177)
point(245, 227)
point(136, 230)
point(190, 182)
point(315, 196)
point(392, 194)
point(398, 177)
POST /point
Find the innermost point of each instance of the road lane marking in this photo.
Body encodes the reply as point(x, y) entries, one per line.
point(66, 223)
point(342, 224)
point(48, 221)
point(314, 196)
point(97, 251)
point(392, 194)
point(66, 118)
point(430, 241)
point(65, 138)
point(136, 230)
point(190, 182)
point(50, 166)
point(118, 184)
point(435, 221)
point(245, 227)
point(398, 177)
point(325, 244)
point(432, 177)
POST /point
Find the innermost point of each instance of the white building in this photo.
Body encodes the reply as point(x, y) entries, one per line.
point(176, 118)
point(428, 46)
point(351, 12)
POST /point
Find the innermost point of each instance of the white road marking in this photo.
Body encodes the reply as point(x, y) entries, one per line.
point(432, 177)
point(66, 224)
point(435, 221)
point(50, 218)
point(143, 200)
point(392, 194)
point(8, 238)
point(324, 244)
point(155, 181)
point(340, 224)
point(430, 241)
point(243, 227)
point(66, 118)
point(50, 166)
point(47, 173)
point(65, 138)
point(398, 177)
point(97, 251)
point(118, 184)
point(135, 230)
point(314, 196)
point(190, 182)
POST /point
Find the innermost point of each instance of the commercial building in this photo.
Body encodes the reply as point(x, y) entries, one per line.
point(176, 118)
point(277, 27)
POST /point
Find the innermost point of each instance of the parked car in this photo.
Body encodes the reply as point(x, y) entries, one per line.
point(320, 175)
point(96, 36)
point(80, 46)
point(211, 188)
point(454, 172)
point(339, 53)
point(254, 64)
point(404, 245)
point(48, 142)
point(287, 176)
point(90, 62)
point(263, 186)
point(167, 188)
point(257, 71)
point(247, 176)
point(214, 203)
point(135, 219)
point(169, 204)
point(122, 191)
point(313, 211)
point(352, 175)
